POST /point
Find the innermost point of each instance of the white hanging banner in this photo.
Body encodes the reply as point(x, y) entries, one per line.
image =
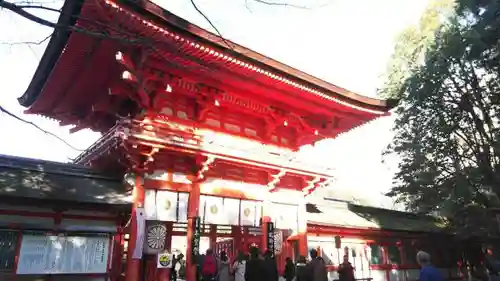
point(231, 211)
point(183, 207)
point(258, 213)
point(284, 216)
point(150, 204)
point(213, 209)
point(166, 203)
point(140, 217)
point(248, 212)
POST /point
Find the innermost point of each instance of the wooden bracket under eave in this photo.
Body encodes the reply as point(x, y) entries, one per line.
point(205, 166)
point(275, 179)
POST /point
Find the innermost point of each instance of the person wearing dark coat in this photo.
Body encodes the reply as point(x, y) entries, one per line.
point(270, 268)
point(289, 273)
point(346, 270)
point(316, 268)
point(173, 272)
point(254, 268)
point(301, 271)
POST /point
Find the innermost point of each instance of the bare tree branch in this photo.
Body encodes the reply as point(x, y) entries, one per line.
point(2, 109)
point(21, 8)
point(27, 42)
point(271, 3)
point(211, 24)
point(41, 7)
point(246, 6)
point(18, 9)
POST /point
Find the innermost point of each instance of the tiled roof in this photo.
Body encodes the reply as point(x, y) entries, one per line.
point(38, 179)
point(343, 214)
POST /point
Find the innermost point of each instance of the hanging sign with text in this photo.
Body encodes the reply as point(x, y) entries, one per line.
point(48, 254)
point(270, 237)
point(195, 242)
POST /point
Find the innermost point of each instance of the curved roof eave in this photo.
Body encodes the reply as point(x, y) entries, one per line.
point(68, 17)
point(72, 8)
point(157, 13)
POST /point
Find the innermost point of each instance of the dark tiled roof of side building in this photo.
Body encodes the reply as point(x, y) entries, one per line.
point(38, 179)
point(348, 215)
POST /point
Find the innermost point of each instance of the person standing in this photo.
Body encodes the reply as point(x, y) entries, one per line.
point(239, 267)
point(223, 268)
point(301, 272)
point(316, 268)
point(289, 273)
point(254, 267)
point(181, 266)
point(173, 270)
point(346, 270)
point(209, 266)
point(270, 267)
point(427, 272)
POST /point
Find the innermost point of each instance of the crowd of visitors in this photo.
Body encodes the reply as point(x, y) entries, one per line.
point(255, 266)
point(258, 267)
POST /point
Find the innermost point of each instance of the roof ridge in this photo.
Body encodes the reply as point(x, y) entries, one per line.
point(51, 167)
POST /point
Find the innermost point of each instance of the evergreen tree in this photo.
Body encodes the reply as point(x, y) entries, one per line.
point(447, 127)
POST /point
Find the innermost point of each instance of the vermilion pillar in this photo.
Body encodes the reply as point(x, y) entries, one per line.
point(302, 229)
point(134, 265)
point(193, 206)
point(162, 274)
point(213, 236)
point(238, 242)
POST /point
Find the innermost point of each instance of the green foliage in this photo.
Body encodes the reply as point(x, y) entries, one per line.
point(411, 45)
point(447, 127)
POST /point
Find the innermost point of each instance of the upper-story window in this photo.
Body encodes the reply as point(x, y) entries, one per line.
point(178, 106)
point(239, 124)
point(284, 136)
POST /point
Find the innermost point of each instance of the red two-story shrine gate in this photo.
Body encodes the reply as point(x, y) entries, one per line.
point(203, 127)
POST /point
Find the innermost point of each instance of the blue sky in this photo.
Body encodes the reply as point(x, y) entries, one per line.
point(346, 42)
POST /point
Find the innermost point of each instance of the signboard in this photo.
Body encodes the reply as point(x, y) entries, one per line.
point(44, 254)
point(164, 260)
point(270, 237)
point(278, 242)
point(156, 237)
point(195, 242)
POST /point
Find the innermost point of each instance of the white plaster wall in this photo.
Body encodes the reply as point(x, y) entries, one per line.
point(377, 275)
point(397, 275)
point(333, 275)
